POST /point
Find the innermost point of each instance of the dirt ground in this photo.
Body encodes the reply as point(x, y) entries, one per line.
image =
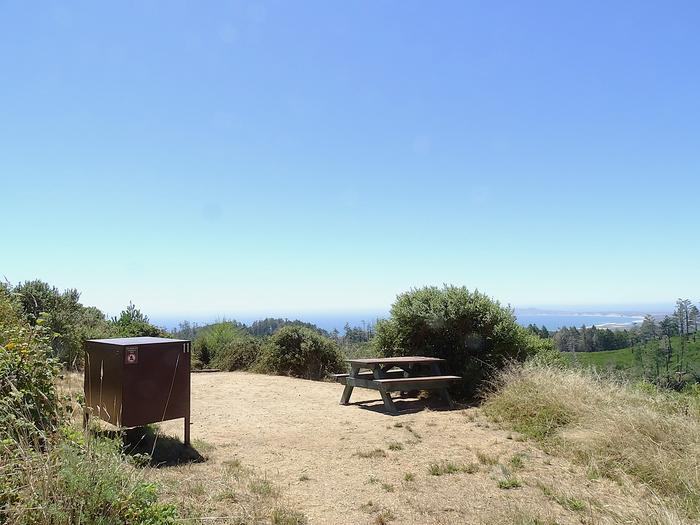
point(357, 464)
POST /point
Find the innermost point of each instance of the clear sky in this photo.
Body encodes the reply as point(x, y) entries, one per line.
point(282, 157)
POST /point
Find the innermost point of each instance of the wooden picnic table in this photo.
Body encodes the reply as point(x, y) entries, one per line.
point(396, 374)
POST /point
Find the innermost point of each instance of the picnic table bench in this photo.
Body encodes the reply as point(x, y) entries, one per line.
point(396, 374)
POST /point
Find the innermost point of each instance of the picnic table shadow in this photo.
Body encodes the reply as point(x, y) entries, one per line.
point(161, 450)
point(404, 405)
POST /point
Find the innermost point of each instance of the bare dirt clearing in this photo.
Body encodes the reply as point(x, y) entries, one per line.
point(356, 464)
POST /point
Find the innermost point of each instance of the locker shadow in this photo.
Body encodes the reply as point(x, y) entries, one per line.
point(154, 449)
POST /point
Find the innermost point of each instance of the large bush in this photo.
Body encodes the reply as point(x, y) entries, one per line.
point(51, 472)
point(300, 352)
point(77, 479)
point(225, 345)
point(62, 313)
point(29, 406)
point(475, 334)
point(239, 354)
point(269, 325)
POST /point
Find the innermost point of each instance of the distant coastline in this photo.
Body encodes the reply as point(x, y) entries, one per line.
point(555, 321)
point(551, 319)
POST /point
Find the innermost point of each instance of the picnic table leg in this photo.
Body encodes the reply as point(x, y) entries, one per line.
point(446, 397)
point(347, 391)
point(380, 373)
point(345, 398)
point(388, 402)
point(444, 393)
point(406, 373)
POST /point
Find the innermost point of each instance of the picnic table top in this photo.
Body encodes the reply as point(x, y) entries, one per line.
point(408, 359)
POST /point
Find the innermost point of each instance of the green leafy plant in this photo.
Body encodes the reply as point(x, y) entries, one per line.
point(29, 406)
point(472, 332)
point(300, 352)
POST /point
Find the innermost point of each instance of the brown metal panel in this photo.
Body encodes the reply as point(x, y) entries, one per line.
point(140, 380)
point(103, 381)
point(157, 387)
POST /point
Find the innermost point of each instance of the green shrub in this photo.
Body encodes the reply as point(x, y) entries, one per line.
point(63, 314)
point(47, 476)
point(472, 332)
point(77, 481)
point(224, 345)
point(239, 354)
point(29, 407)
point(300, 352)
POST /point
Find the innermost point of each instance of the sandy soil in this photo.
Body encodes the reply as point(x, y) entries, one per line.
point(296, 434)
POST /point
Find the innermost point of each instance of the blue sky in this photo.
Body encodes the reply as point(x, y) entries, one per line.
point(289, 157)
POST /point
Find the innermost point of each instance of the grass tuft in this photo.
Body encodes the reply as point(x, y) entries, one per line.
point(262, 487)
point(384, 517)
point(486, 459)
point(284, 516)
point(517, 460)
point(509, 483)
point(374, 453)
point(565, 500)
point(448, 467)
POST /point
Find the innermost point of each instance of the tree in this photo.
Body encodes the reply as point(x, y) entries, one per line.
point(132, 323)
point(682, 315)
point(300, 352)
point(694, 314)
point(67, 319)
point(668, 329)
point(269, 326)
point(357, 334)
point(472, 332)
point(650, 352)
point(186, 330)
point(213, 339)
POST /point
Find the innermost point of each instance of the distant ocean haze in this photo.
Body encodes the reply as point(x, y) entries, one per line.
point(329, 322)
point(555, 321)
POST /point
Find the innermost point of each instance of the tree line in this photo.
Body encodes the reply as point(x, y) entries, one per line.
point(584, 339)
point(682, 322)
point(661, 348)
point(71, 323)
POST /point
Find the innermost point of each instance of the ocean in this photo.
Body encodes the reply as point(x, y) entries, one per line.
point(329, 322)
point(556, 321)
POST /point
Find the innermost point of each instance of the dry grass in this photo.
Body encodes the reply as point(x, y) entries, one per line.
point(448, 467)
point(234, 494)
point(283, 428)
point(368, 454)
point(615, 430)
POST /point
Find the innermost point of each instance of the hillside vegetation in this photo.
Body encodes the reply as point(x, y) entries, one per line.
point(633, 359)
point(662, 351)
point(472, 332)
point(626, 433)
point(51, 471)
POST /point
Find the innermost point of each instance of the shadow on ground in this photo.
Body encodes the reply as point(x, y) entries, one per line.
point(404, 405)
point(162, 450)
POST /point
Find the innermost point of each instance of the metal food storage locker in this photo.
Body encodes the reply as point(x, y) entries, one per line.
point(134, 381)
